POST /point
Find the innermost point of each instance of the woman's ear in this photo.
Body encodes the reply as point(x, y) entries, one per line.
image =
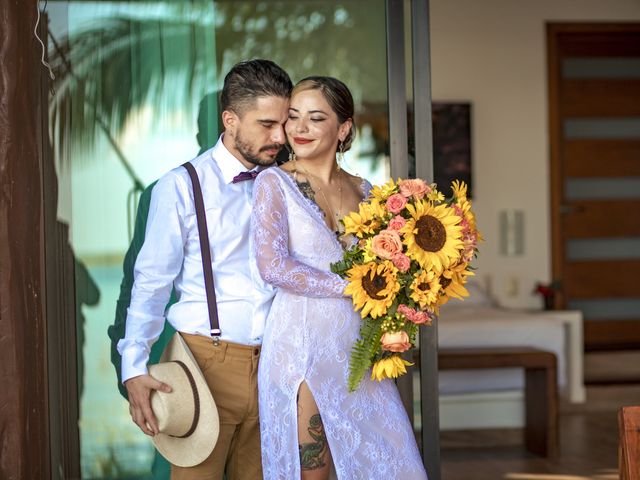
point(345, 128)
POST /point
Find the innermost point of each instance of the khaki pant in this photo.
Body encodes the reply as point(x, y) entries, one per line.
point(231, 371)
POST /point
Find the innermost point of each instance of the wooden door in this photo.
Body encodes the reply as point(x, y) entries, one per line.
point(594, 106)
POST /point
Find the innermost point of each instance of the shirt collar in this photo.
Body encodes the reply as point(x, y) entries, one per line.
point(228, 164)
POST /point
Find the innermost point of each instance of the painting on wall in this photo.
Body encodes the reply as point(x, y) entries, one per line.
point(452, 145)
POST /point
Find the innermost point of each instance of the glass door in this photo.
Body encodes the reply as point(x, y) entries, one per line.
point(135, 95)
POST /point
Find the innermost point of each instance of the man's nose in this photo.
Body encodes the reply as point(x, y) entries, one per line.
point(278, 135)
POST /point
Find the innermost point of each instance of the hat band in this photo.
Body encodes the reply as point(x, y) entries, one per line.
point(196, 401)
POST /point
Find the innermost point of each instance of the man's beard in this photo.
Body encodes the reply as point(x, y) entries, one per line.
point(245, 150)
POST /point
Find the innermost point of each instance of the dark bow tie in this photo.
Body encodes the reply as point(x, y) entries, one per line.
point(242, 176)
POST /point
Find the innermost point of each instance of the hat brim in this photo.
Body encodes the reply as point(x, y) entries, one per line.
point(196, 448)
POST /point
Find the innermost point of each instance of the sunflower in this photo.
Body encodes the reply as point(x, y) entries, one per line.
point(366, 220)
point(382, 192)
point(425, 288)
point(452, 281)
point(432, 235)
point(373, 287)
point(390, 367)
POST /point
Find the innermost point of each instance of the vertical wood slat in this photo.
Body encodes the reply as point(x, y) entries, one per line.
point(60, 303)
point(555, 176)
point(629, 446)
point(23, 367)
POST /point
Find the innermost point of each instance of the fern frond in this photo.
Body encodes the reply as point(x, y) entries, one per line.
point(363, 351)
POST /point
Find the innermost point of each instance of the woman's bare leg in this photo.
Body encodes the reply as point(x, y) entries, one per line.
point(315, 457)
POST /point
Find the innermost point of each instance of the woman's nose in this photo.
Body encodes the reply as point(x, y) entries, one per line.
point(301, 126)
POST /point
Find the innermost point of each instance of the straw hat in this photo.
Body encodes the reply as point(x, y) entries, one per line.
point(187, 417)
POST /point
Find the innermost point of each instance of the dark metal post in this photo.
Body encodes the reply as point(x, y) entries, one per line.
point(398, 136)
point(396, 86)
point(424, 169)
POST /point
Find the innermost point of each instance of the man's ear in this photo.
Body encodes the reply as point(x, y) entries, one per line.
point(229, 121)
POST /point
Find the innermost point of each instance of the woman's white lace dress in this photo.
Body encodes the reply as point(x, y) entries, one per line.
point(309, 334)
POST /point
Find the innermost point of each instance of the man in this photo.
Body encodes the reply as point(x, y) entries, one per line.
point(254, 103)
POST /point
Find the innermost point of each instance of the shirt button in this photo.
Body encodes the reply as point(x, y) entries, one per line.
point(256, 351)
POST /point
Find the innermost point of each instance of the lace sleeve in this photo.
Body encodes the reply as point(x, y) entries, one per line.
point(270, 228)
point(366, 188)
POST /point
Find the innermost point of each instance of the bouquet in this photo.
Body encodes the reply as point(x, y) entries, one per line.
point(411, 254)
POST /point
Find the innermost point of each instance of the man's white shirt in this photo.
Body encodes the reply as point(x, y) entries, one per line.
point(170, 257)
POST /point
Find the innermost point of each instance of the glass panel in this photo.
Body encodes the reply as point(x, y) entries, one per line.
point(140, 98)
point(603, 249)
point(602, 128)
point(601, 188)
point(620, 309)
point(623, 67)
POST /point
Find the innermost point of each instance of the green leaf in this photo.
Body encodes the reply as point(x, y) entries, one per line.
point(363, 351)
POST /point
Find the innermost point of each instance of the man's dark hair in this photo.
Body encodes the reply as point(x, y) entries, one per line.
point(251, 79)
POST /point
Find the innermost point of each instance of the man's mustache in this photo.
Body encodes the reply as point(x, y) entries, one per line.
point(271, 147)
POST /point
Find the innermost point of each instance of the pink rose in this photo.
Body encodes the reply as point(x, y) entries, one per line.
point(406, 311)
point(414, 187)
point(396, 202)
point(387, 244)
point(395, 342)
point(402, 262)
point(421, 318)
point(397, 223)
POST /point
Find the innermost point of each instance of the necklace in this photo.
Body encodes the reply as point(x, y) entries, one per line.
point(336, 226)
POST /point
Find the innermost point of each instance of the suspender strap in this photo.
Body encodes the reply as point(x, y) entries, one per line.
point(205, 250)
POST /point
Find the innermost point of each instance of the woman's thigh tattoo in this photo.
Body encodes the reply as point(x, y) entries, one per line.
point(312, 453)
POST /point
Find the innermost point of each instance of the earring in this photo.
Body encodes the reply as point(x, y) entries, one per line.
point(340, 154)
point(292, 156)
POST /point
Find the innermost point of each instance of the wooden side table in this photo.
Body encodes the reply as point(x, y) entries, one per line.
point(541, 387)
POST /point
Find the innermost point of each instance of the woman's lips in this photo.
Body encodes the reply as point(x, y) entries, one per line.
point(301, 141)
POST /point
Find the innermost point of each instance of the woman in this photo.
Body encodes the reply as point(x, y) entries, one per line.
point(308, 418)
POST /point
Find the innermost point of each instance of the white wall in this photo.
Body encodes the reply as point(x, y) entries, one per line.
point(493, 54)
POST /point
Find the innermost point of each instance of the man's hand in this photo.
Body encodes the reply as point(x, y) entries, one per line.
point(139, 389)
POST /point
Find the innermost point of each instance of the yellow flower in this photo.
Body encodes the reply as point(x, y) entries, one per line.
point(367, 253)
point(390, 367)
point(373, 287)
point(435, 196)
point(464, 205)
point(425, 288)
point(459, 190)
point(382, 192)
point(452, 281)
point(433, 236)
point(366, 220)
